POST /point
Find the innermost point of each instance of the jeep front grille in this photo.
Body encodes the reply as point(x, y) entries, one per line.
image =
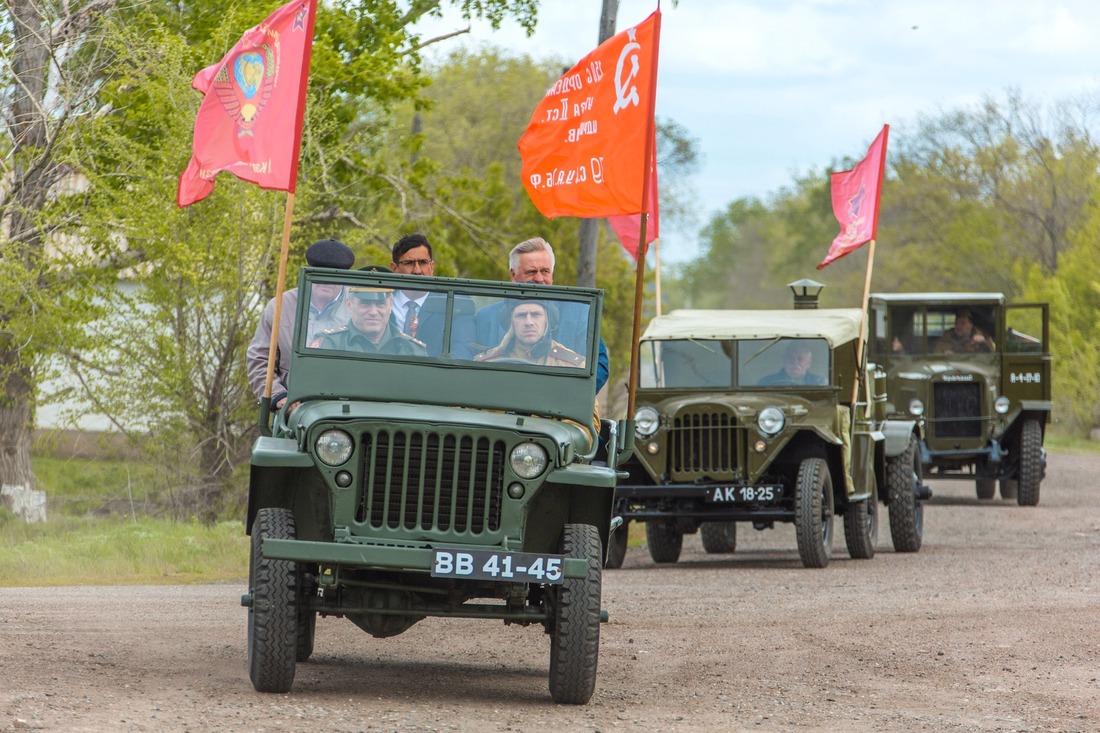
point(703, 443)
point(958, 409)
point(431, 481)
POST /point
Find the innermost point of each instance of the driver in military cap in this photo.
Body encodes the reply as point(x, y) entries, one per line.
point(530, 324)
point(369, 328)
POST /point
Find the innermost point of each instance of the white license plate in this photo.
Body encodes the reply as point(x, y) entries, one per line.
point(506, 567)
point(739, 494)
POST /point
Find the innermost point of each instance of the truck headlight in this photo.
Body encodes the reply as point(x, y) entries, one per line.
point(528, 460)
point(334, 447)
point(916, 408)
point(1001, 405)
point(770, 420)
point(646, 421)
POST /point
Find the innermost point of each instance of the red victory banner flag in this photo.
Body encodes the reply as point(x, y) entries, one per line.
point(856, 195)
point(584, 152)
point(250, 119)
point(628, 226)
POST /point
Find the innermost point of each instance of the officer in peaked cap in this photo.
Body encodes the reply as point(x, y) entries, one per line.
point(370, 329)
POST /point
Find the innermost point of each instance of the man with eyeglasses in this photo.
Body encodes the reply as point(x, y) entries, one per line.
point(421, 314)
point(532, 261)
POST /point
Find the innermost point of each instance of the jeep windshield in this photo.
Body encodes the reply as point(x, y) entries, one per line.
point(725, 364)
point(464, 343)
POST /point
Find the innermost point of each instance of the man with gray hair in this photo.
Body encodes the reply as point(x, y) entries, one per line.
point(532, 261)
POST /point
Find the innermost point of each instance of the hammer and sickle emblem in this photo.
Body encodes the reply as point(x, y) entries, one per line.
point(625, 91)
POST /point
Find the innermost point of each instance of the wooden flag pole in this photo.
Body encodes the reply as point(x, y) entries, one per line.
point(657, 276)
point(860, 365)
point(639, 294)
point(273, 348)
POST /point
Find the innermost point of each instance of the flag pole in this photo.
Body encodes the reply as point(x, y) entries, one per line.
point(272, 352)
point(863, 320)
point(657, 276)
point(639, 281)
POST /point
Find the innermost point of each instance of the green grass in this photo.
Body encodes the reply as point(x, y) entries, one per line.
point(119, 551)
point(1059, 443)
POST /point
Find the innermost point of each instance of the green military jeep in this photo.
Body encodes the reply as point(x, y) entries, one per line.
point(747, 416)
point(427, 475)
point(975, 371)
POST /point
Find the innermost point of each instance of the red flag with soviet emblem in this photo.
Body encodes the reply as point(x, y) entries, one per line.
point(856, 195)
point(250, 119)
point(584, 151)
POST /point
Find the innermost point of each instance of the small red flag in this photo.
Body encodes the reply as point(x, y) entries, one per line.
point(584, 151)
point(250, 119)
point(856, 195)
point(628, 226)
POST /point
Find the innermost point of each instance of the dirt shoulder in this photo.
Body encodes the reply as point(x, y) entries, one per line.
point(991, 627)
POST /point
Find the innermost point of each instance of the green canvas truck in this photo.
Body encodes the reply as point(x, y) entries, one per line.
point(724, 434)
point(415, 476)
point(975, 371)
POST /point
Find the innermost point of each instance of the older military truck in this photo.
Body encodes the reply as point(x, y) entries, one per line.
point(974, 370)
point(410, 478)
point(729, 430)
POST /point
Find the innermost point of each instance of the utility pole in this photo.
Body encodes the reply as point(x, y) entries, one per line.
point(589, 234)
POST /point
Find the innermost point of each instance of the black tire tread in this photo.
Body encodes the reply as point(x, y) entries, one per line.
point(861, 527)
point(575, 641)
point(665, 542)
point(813, 530)
point(273, 617)
point(1031, 463)
point(719, 538)
point(906, 521)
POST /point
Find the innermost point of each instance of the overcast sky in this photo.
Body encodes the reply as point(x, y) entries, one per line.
point(773, 88)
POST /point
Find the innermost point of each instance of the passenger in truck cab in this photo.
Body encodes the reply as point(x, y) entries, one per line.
point(964, 337)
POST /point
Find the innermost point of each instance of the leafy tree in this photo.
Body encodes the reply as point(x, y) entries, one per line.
point(100, 91)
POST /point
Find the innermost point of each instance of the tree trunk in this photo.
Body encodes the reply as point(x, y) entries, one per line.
point(589, 233)
point(33, 173)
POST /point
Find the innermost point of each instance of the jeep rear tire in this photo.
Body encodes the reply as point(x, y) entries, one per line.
point(1010, 488)
point(719, 538)
point(813, 519)
point(665, 541)
point(904, 474)
point(273, 613)
point(861, 526)
point(986, 487)
point(575, 640)
point(1031, 462)
point(616, 547)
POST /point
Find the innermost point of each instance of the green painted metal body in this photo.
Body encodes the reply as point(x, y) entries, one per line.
point(963, 435)
point(429, 463)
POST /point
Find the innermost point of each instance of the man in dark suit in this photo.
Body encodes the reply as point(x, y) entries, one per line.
point(421, 314)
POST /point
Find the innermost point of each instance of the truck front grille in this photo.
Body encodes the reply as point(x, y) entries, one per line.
point(431, 481)
point(703, 443)
point(958, 409)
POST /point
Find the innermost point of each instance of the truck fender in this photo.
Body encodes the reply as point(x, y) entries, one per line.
point(897, 434)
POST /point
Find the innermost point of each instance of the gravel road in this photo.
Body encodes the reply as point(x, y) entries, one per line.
point(991, 627)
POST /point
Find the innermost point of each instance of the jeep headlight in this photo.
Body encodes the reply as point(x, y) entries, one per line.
point(528, 460)
point(916, 408)
point(646, 421)
point(334, 447)
point(1001, 405)
point(770, 420)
